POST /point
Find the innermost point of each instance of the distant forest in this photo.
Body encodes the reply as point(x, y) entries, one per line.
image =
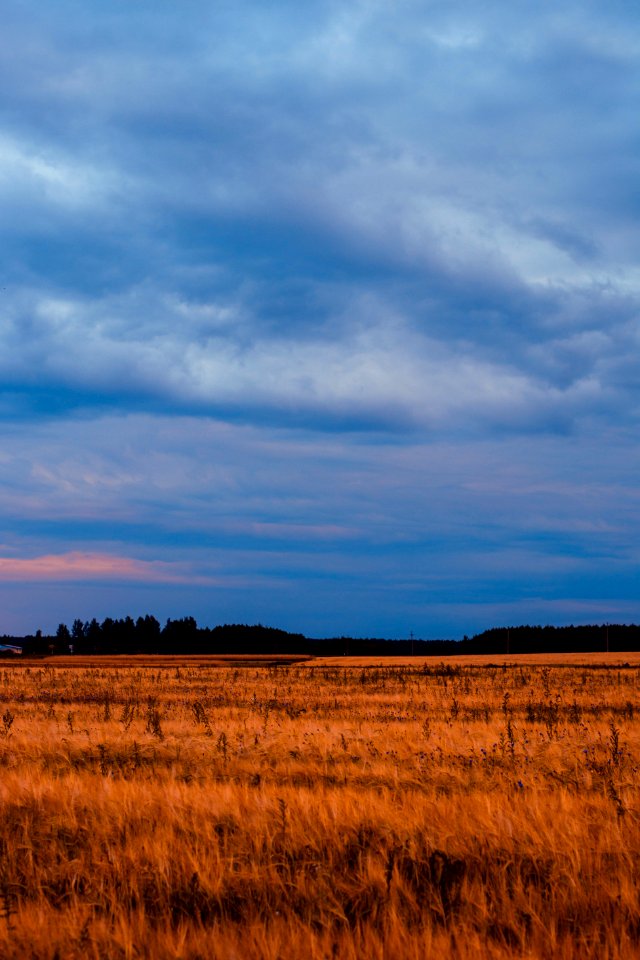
point(184, 636)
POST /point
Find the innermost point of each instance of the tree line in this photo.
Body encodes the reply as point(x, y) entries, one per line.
point(184, 636)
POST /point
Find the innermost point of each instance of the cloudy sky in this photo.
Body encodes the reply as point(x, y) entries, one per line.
point(323, 315)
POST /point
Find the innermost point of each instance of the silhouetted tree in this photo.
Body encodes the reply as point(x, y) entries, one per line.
point(147, 634)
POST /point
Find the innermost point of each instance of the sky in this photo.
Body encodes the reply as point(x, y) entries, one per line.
point(323, 316)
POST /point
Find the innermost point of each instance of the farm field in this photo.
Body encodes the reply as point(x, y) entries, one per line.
point(323, 809)
point(489, 660)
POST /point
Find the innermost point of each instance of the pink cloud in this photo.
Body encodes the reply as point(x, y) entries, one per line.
point(76, 565)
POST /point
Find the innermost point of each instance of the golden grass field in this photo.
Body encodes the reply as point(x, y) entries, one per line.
point(237, 810)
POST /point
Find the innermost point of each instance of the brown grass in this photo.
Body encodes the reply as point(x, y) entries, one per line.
point(170, 660)
point(315, 811)
point(492, 659)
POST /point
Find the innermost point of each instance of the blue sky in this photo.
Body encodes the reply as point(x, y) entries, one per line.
point(320, 315)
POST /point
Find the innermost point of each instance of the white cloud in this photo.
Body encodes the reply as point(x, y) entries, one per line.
point(377, 368)
point(34, 173)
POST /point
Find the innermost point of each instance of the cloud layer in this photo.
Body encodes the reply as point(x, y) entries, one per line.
point(329, 301)
point(78, 566)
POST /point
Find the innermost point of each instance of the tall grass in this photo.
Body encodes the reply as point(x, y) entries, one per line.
point(194, 811)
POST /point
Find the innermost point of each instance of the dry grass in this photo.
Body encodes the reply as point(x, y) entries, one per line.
point(313, 811)
point(490, 660)
point(169, 660)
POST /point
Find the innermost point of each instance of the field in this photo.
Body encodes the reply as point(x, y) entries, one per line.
point(324, 809)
